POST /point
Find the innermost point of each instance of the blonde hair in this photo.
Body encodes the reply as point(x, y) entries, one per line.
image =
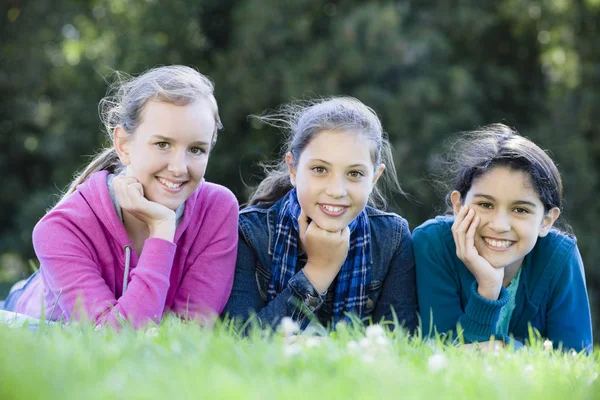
point(125, 101)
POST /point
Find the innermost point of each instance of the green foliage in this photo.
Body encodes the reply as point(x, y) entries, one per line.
point(177, 360)
point(428, 68)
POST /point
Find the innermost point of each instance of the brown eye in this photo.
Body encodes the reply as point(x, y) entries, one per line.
point(356, 174)
point(197, 150)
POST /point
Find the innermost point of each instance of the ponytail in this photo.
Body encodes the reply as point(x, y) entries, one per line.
point(273, 187)
point(106, 160)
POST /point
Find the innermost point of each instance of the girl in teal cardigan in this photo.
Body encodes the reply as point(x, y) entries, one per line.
point(498, 265)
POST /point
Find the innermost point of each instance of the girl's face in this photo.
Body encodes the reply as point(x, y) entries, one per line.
point(512, 216)
point(169, 150)
point(334, 178)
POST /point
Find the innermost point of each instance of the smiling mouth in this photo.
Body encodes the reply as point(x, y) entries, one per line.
point(333, 210)
point(171, 186)
point(497, 244)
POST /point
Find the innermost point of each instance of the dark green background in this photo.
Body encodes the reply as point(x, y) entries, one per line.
point(429, 68)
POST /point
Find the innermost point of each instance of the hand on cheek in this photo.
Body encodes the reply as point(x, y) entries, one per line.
point(326, 252)
point(489, 279)
point(130, 195)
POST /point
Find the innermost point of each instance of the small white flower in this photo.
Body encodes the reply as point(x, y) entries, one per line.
point(547, 345)
point(292, 350)
point(353, 346)
point(312, 341)
point(591, 379)
point(364, 343)
point(288, 326)
point(437, 362)
point(382, 341)
point(573, 353)
point(176, 347)
point(368, 358)
point(488, 368)
point(528, 369)
point(374, 331)
point(152, 331)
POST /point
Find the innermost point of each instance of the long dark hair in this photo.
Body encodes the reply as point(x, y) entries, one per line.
point(474, 153)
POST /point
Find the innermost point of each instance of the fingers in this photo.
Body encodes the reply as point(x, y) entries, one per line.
point(302, 223)
point(470, 235)
point(128, 190)
point(463, 230)
point(135, 189)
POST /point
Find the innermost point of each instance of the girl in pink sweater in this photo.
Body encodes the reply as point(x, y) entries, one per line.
point(139, 232)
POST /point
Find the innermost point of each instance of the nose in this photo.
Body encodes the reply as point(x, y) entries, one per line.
point(336, 187)
point(500, 222)
point(178, 163)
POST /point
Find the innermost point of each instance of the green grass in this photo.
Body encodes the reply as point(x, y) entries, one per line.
point(178, 361)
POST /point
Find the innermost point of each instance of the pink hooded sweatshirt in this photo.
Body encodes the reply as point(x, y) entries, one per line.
point(81, 245)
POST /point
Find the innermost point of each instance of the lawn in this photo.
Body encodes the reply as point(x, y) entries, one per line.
point(178, 360)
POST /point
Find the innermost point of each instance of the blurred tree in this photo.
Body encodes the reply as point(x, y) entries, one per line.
point(428, 68)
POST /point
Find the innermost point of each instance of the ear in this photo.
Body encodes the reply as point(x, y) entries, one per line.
point(456, 200)
point(548, 221)
point(289, 160)
point(378, 173)
point(121, 143)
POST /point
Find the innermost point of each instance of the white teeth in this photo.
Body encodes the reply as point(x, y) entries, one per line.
point(333, 209)
point(168, 184)
point(498, 243)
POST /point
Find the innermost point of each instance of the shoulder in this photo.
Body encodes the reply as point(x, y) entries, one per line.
point(556, 250)
point(81, 206)
point(434, 236)
point(73, 217)
point(210, 212)
point(216, 196)
point(555, 266)
point(438, 228)
point(254, 220)
point(387, 223)
point(256, 210)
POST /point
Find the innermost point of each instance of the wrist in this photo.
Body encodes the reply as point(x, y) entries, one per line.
point(164, 229)
point(319, 277)
point(490, 291)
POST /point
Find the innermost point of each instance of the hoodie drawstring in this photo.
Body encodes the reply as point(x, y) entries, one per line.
point(126, 273)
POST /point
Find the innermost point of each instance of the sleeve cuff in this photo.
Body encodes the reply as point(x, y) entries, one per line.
point(481, 315)
point(158, 255)
point(306, 292)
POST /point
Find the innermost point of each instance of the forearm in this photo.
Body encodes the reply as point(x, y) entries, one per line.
point(481, 315)
point(298, 301)
point(144, 299)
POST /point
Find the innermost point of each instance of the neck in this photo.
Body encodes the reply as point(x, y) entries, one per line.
point(137, 231)
point(510, 272)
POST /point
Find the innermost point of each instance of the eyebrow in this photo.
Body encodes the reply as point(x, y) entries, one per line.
point(358, 165)
point(487, 196)
point(168, 139)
